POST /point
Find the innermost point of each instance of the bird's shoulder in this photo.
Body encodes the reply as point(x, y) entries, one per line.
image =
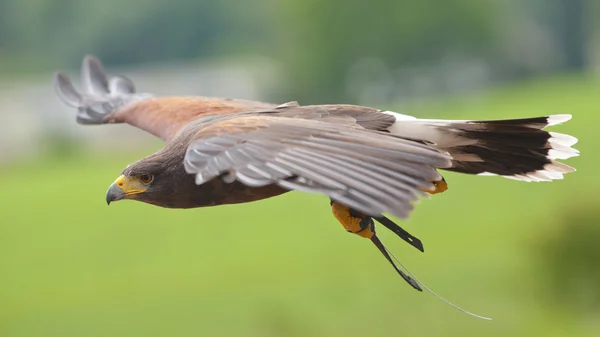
point(292, 113)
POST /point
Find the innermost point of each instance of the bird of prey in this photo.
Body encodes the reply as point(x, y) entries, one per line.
point(366, 160)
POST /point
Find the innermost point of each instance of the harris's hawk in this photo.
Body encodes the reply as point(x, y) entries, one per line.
point(368, 161)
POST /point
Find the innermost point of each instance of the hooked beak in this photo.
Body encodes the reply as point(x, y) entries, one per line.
point(122, 188)
point(114, 193)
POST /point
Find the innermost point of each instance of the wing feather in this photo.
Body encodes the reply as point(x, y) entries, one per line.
point(105, 98)
point(102, 95)
point(373, 172)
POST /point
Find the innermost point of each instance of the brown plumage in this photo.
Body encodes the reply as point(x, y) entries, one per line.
point(368, 161)
point(241, 151)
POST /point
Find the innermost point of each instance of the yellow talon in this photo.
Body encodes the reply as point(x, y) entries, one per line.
point(438, 187)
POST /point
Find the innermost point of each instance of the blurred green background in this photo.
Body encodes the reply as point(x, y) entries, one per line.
point(526, 254)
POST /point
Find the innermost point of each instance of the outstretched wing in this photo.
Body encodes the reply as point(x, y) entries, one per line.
point(113, 99)
point(370, 171)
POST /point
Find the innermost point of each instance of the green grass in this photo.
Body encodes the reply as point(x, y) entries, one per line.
point(70, 266)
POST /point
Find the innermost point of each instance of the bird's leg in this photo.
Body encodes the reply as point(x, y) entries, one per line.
point(362, 225)
point(353, 221)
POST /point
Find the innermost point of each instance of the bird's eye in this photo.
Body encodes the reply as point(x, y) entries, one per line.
point(146, 178)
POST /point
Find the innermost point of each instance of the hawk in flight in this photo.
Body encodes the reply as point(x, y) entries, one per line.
point(367, 161)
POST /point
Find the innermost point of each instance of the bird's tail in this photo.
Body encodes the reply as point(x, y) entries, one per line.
point(514, 148)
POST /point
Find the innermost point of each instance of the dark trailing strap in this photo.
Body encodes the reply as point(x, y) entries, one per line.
point(385, 253)
point(404, 235)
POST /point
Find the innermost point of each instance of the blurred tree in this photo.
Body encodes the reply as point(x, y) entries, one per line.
point(323, 39)
point(320, 44)
point(569, 24)
point(567, 20)
point(192, 29)
point(572, 32)
point(55, 33)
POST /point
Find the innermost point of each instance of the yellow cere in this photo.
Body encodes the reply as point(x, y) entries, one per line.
point(130, 185)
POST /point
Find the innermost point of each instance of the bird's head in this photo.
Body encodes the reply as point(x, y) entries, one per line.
point(154, 180)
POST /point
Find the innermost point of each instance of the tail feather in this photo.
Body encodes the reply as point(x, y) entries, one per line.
point(516, 148)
